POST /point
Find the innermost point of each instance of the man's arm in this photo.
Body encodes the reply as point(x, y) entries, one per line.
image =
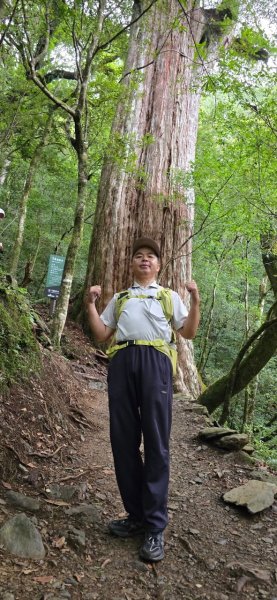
point(189, 329)
point(101, 331)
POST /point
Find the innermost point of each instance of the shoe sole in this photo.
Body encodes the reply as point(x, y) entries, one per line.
point(121, 534)
point(149, 559)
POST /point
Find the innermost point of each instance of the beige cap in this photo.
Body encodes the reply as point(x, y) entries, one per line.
point(145, 242)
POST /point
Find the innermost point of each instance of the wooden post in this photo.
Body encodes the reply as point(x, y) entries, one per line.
point(52, 307)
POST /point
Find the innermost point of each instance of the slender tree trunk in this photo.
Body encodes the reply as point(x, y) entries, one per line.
point(264, 342)
point(80, 118)
point(252, 388)
point(204, 350)
point(4, 171)
point(206, 338)
point(247, 329)
point(143, 191)
point(30, 265)
point(15, 255)
point(76, 237)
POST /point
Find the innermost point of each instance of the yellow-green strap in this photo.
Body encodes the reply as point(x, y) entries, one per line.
point(161, 346)
point(155, 343)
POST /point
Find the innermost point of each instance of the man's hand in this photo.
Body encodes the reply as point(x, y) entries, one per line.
point(101, 331)
point(93, 294)
point(192, 288)
point(189, 329)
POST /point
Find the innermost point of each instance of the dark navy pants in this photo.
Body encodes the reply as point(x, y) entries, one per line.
point(140, 402)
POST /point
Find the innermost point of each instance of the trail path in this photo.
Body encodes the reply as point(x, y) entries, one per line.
point(210, 546)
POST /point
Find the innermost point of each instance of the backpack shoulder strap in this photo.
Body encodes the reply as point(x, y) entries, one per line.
point(164, 295)
point(121, 298)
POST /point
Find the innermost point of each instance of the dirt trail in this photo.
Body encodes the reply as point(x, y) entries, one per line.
point(212, 551)
point(209, 546)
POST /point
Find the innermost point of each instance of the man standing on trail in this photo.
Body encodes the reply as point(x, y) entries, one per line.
point(143, 319)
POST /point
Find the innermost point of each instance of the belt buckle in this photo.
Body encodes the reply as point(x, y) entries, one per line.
point(130, 342)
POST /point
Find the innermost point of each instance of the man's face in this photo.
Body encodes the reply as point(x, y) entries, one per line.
point(145, 264)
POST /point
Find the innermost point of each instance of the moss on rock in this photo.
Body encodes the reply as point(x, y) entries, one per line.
point(19, 350)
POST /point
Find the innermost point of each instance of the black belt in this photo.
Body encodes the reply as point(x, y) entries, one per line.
point(127, 342)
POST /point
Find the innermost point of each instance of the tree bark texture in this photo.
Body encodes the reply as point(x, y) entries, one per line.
point(156, 123)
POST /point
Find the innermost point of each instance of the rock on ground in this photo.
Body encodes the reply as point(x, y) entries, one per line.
point(20, 537)
point(255, 495)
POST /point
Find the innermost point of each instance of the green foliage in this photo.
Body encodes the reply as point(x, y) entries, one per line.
point(252, 45)
point(266, 452)
point(19, 351)
point(234, 180)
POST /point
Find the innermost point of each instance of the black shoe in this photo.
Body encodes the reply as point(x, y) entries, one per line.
point(153, 547)
point(126, 527)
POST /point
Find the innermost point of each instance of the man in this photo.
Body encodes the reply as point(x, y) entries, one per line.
point(140, 390)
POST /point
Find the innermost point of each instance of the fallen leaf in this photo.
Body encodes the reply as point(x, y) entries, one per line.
point(79, 576)
point(58, 502)
point(242, 582)
point(28, 571)
point(58, 542)
point(260, 574)
point(6, 485)
point(44, 579)
point(251, 571)
point(106, 562)
point(100, 496)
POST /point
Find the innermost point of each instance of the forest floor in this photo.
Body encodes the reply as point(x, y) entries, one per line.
point(55, 447)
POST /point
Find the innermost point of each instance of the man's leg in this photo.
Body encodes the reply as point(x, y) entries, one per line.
point(156, 415)
point(125, 431)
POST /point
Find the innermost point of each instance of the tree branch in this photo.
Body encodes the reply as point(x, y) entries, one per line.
point(60, 74)
point(9, 22)
point(105, 44)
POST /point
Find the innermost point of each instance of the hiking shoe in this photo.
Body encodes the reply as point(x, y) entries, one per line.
point(126, 527)
point(153, 547)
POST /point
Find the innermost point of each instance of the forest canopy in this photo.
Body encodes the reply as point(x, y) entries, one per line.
point(66, 76)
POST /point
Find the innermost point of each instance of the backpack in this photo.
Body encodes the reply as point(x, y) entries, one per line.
point(164, 296)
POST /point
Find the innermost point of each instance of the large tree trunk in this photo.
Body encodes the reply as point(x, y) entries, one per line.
point(145, 193)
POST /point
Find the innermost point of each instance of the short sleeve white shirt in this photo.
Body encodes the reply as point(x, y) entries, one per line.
point(143, 318)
